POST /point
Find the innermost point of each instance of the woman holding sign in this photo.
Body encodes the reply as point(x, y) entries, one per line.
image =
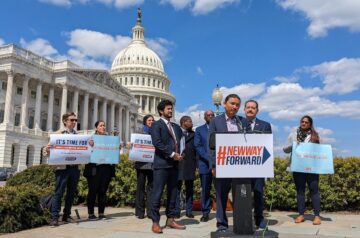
point(98, 177)
point(144, 172)
point(306, 134)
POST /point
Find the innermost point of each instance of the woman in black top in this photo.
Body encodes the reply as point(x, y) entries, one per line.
point(98, 177)
point(143, 172)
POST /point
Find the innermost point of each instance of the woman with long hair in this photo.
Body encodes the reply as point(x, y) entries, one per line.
point(306, 133)
point(144, 172)
point(98, 177)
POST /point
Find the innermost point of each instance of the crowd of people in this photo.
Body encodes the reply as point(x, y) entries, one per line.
point(179, 152)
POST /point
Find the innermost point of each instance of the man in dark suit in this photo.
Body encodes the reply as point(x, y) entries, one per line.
point(226, 122)
point(255, 125)
point(201, 146)
point(187, 166)
point(166, 138)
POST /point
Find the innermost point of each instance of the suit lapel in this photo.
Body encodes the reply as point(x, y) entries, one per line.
point(223, 122)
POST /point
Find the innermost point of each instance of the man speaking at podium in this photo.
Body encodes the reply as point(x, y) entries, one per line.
point(226, 122)
point(254, 125)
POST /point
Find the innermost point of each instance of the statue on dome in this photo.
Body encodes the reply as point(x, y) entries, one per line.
point(139, 14)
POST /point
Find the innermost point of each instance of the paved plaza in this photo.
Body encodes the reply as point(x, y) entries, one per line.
point(123, 223)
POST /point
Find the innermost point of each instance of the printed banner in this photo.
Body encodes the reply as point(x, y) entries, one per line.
point(69, 149)
point(106, 149)
point(244, 156)
point(142, 148)
point(312, 158)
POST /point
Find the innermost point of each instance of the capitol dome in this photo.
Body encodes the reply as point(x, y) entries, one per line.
point(140, 69)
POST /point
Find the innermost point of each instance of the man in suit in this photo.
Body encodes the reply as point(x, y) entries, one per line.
point(255, 125)
point(226, 122)
point(187, 166)
point(201, 146)
point(166, 138)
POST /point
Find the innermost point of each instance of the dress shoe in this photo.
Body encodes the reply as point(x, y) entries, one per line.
point(170, 222)
point(190, 215)
point(67, 219)
point(204, 219)
point(317, 220)
point(92, 217)
point(156, 228)
point(141, 217)
point(299, 219)
point(54, 223)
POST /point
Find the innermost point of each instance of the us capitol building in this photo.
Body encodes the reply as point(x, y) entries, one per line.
point(35, 92)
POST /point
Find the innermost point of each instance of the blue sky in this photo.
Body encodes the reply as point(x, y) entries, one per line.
point(295, 57)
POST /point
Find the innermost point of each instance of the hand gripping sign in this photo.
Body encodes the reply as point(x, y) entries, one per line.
point(69, 149)
point(244, 156)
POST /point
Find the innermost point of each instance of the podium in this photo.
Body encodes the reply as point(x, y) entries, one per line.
point(241, 157)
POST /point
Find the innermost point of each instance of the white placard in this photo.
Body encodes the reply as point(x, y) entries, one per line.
point(69, 149)
point(142, 148)
point(244, 156)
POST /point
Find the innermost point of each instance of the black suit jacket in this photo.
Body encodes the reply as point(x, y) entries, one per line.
point(188, 166)
point(164, 144)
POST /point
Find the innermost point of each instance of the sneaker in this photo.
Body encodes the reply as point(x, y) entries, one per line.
point(262, 225)
point(102, 217)
point(67, 219)
point(54, 223)
point(92, 217)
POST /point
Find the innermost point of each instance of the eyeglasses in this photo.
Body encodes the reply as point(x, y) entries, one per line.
point(73, 120)
point(305, 122)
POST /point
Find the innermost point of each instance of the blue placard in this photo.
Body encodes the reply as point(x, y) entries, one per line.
point(106, 150)
point(312, 158)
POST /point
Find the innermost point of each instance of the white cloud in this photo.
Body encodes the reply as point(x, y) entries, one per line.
point(291, 101)
point(286, 79)
point(60, 3)
point(122, 3)
point(2, 41)
point(161, 46)
point(245, 91)
point(342, 76)
point(200, 7)
point(199, 71)
point(193, 111)
point(324, 14)
point(41, 47)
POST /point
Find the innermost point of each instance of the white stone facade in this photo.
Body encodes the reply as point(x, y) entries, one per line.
point(35, 92)
point(141, 70)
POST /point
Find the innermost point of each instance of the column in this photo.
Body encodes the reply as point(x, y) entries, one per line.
point(127, 124)
point(63, 104)
point(140, 104)
point(85, 120)
point(95, 111)
point(37, 116)
point(112, 117)
point(154, 106)
point(50, 109)
point(9, 100)
point(24, 105)
point(75, 102)
point(147, 104)
point(104, 110)
point(119, 122)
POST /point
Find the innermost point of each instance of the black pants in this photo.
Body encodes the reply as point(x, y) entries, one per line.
point(257, 185)
point(162, 177)
point(98, 185)
point(189, 196)
point(67, 178)
point(312, 180)
point(143, 191)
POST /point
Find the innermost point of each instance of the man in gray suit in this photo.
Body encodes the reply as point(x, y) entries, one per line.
point(226, 122)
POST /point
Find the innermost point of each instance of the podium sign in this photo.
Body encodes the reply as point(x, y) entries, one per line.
point(312, 158)
point(69, 149)
point(244, 156)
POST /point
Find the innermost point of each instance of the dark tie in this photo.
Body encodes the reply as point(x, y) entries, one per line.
point(173, 136)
